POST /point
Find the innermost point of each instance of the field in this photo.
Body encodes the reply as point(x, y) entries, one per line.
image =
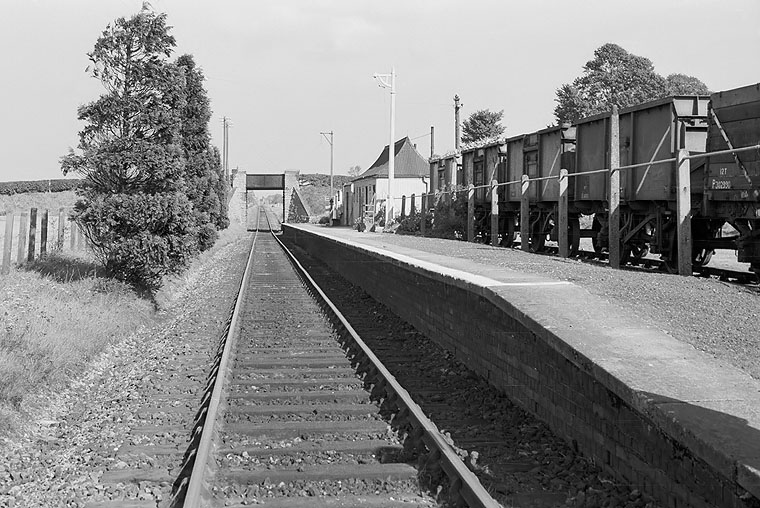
point(41, 200)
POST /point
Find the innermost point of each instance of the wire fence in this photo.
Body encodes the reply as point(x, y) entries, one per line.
point(428, 200)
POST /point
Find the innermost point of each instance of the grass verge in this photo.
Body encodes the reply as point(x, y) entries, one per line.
point(58, 314)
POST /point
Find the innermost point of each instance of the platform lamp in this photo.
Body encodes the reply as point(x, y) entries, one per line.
point(330, 140)
point(389, 81)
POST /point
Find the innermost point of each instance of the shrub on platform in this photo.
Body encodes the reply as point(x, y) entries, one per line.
point(410, 225)
point(449, 221)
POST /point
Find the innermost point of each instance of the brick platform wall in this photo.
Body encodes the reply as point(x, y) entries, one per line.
point(545, 377)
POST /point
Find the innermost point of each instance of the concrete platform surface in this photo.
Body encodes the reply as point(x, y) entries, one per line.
point(711, 407)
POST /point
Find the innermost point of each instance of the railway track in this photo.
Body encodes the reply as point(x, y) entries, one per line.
point(299, 412)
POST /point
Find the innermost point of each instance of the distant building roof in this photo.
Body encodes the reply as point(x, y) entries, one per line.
point(408, 163)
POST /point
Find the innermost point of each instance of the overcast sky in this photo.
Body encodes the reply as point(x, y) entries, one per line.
point(284, 70)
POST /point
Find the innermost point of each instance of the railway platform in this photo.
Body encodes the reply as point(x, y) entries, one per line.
point(652, 410)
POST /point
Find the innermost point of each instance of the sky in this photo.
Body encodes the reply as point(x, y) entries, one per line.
point(285, 70)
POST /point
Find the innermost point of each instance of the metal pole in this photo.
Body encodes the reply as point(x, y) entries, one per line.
point(457, 133)
point(332, 190)
point(391, 153)
point(391, 83)
point(224, 148)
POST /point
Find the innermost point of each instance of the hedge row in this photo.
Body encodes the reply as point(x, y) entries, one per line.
point(23, 187)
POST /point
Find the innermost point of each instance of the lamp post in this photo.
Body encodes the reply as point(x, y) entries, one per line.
point(331, 168)
point(389, 81)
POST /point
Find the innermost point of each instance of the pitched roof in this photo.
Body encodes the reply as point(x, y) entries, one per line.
point(407, 162)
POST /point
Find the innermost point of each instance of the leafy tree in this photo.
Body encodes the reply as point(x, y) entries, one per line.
point(613, 77)
point(616, 77)
point(354, 171)
point(132, 205)
point(203, 170)
point(131, 142)
point(681, 84)
point(482, 124)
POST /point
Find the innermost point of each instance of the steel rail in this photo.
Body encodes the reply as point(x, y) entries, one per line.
point(194, 484)
point(469, 486)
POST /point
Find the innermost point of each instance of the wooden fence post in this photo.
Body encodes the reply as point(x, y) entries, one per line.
point(8, 243)
point(403, 206)
point(412, 207)
point(564, 249)
point(61, 228)
point(80, 239)
point(470, 212)
point(73, 235)
point(525, 215)
point(44, 232)
point(614, 189)
point(22, 231)
point(494, 213)
point(32, 233)
point(683, 204)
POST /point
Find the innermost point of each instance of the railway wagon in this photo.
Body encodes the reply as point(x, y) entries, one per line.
point(443, 170)
point(539, 154)
point(511, 169)
point(732, 181)
point(544, 154)
point(480, 166)
point(648, 133)
point(725, 188)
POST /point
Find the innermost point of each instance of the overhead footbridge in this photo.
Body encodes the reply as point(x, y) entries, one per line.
point(294, 207)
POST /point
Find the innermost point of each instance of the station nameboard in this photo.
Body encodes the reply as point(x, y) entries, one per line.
point(265, 182)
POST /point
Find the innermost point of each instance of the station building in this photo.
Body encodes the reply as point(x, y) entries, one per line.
point(366, 193)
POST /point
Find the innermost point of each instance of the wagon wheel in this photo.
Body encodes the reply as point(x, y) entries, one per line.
point(510, 232)
point(596, 228)
point(537, 237)
point(639, 251)
point(573, 236)
point(701, 257)
point(537, 242)
point(625, 253)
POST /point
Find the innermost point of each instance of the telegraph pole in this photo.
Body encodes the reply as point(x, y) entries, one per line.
point(457, 126)
point(389, 81)
point(226, 148)
point(332, 195)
